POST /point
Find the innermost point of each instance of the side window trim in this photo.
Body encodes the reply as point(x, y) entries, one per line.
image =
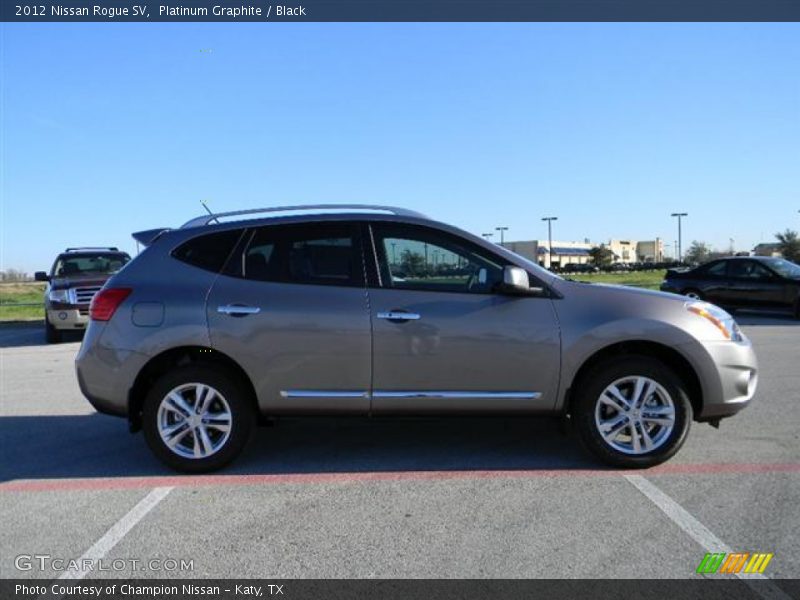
point(375, 258)
point(234, 266)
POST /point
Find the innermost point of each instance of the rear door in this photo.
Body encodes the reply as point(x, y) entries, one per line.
point(291, 309)
point(713, 282)
point(444, 340)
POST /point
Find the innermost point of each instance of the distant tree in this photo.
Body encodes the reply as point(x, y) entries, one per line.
point(412, 263)
point(13, 275)
point(601, 255)
point(698, 252)
point(789, 245)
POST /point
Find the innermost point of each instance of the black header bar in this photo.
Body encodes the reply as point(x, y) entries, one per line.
point(397, 10)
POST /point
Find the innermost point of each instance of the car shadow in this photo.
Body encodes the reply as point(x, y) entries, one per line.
point(31, 333)
point(99, 446)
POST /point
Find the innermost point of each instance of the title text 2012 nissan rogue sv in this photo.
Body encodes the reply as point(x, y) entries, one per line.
point(381, 311)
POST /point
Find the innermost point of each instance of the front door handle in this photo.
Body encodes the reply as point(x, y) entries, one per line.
point(399, 316)
point(238, 310)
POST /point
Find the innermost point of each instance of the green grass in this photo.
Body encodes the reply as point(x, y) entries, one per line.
point(644, 279)
point(12, 293)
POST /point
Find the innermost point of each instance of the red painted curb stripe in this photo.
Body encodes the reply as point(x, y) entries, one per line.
point(123, 483)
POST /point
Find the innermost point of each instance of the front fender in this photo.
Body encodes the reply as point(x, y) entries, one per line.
point(579, 348)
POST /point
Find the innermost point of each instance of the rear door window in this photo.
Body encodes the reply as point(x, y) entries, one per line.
point(310, 254)
point(717, 269)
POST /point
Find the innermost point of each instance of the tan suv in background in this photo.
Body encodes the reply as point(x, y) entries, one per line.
point(76, 276)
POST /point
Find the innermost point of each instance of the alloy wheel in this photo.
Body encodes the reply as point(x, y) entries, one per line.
point(635, 415)
point(194, 420)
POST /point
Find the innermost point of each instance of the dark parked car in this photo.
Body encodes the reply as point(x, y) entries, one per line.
point(579, 268)
point(758, 282)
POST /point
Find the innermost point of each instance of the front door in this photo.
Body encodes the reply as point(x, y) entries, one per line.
point(754, 285)
point(291, 309)
point(444, 340)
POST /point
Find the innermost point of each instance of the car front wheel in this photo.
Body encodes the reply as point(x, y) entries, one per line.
point(632, 412)
point(197, 418)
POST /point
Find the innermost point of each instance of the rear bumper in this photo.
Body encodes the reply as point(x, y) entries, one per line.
point(106, 375)
point(728, 373)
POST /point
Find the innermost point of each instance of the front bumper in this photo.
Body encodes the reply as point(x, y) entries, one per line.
point(68, 318)
point(728, 373)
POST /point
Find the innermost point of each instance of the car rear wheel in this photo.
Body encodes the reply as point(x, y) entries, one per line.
point(197, 418)
point(632, 412)
point(693, 294)
point(51, 334)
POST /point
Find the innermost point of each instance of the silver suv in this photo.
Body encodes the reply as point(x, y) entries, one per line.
point(381, 311)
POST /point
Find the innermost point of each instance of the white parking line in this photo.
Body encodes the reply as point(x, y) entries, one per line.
point(759, 583)
point(104, 545)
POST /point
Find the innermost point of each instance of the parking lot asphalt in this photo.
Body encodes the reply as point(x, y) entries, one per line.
point(342, 498)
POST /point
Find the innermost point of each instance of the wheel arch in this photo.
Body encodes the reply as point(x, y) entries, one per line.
point(673, 359)
point(179, 357)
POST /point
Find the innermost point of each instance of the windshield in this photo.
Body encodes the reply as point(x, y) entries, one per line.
point(785, 268)
point(84, 264)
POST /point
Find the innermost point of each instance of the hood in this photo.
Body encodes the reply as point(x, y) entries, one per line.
point(88, 280)
point(621, 300)
point(612, 289)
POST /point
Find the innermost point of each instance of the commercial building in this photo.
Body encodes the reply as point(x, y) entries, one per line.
point(630, 251)
point(564, 253)
point(767, 249)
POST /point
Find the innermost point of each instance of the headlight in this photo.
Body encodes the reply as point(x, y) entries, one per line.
point(59, 296)
point(718, 318)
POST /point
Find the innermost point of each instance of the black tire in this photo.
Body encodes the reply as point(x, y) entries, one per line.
point(243, 417)
point(51, 334)
point(587, 396)
point(693, 293)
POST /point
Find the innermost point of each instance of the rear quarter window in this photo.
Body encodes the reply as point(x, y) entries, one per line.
point(209, 252)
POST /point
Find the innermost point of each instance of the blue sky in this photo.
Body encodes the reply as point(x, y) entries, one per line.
point(112, 128)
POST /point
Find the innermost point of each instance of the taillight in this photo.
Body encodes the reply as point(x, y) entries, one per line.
point(105, 303)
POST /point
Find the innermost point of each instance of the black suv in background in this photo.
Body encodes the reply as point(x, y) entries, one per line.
point(76, 276)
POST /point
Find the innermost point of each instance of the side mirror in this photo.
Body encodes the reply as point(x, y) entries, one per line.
point(41, 276)
point(515, 281)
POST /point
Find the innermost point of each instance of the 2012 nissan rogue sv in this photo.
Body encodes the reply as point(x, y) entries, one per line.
point(370, 310)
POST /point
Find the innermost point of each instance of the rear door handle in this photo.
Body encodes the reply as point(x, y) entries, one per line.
point(399, 316)
point(238, 310)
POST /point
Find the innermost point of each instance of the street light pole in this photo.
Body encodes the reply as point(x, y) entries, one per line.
point(680, 240)
point(550, 238)
point(501, 230)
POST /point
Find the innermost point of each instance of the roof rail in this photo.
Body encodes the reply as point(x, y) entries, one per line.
point(79, 248)
point(206, 219)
